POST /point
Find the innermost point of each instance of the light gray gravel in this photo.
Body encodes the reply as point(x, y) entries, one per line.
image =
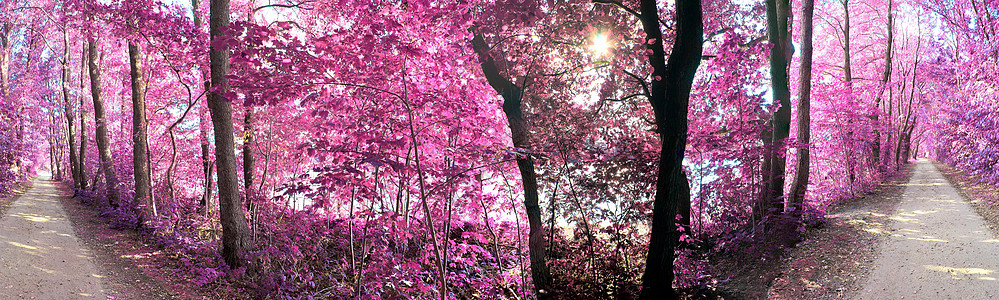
point(40, 257)
point(939, 247)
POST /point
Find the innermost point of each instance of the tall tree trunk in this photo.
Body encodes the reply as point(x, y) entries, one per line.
point(512, 99)
point(52, 156)
point(74, 161)
point(248, 159)
point(83, 120)
point(800, 184)
point(5, 48)
point(248, 156)
point(669, 95)
point(774, 164)
point(905, 130)
point(103, 144)
point(206, 162)
point(885, 77)
point(847, 67)
point(848, 81)
point(58, 147)
point(140, 163)
point(53, 138)
point(235, 232)
point(907, 144)
point(207, 165)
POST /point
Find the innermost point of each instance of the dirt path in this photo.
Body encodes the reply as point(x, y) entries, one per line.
point(939, 247)
point(40, 257)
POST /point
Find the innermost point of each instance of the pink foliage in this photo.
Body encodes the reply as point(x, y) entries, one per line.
point(385, 168)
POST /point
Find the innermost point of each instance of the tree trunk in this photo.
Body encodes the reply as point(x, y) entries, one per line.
point(235, 232)
point(5, 48)
point(58, 147)
point(206, 162)
point(52, 156)
point(847, 68)
point(248, 157)
point(83, 120)
point(103, 144)
point(669, 95)
point(905, 131)
point(140, 163)
point(512, 99)
point(848, 81)
point(74, 161)
point(885, 77)
point(173, 147)
point(800, 184)
point(774, 164)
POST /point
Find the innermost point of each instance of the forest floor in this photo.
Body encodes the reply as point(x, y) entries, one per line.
point(831, 261)
point(136, 268)
point(18, 190)
point(46, 253)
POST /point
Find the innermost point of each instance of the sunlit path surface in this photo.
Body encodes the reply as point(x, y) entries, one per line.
point(40, 257)
point(939, 247)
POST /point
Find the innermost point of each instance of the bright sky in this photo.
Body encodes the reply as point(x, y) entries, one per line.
point(269, 14)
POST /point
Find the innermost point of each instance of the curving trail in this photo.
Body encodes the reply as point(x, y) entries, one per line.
point(40, 257)
point(939, 247)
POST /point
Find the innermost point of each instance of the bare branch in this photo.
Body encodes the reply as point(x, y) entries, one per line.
point(753, 42)
point(626, 97)
point(290, 5)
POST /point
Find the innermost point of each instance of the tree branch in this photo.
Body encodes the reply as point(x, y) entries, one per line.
point(626, 97)
point(294, 5)
point(645, 86)
point(629, 10)
point(619, 5)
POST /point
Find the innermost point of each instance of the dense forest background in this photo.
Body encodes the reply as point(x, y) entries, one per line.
point(507, 149)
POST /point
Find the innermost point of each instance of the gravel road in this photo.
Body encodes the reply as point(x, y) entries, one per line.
point(40, 257)
point(939, 247)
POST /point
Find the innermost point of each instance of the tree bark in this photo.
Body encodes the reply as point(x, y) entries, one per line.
point(206, 162)
point(103, 144)
point(885, 77)
point(669, 95)
point(905, 131)
point(248, 160)
point(512, 99)
point(5, 48)
point(74, 161)
point(83, 120)
point(52, 145)
point(800, 184)
point(140, 163)
point(235, 232)
point(58, 147)
point(847, 68)
point(848, 81)
point(774, 164)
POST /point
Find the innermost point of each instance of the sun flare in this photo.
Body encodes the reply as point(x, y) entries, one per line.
point(601, 45)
